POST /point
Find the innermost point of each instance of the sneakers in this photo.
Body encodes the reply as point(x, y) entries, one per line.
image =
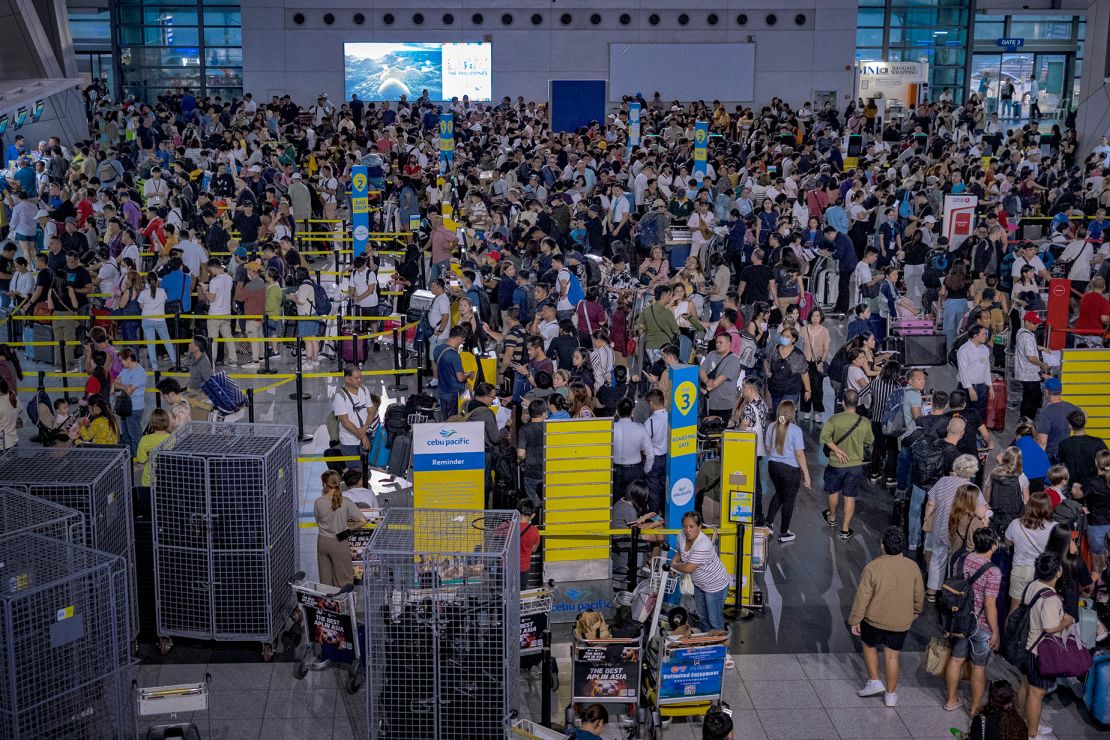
point(806, 416)
point(433, 383)
point(274, 354)
point(787, 536)
point(729, 662)
point(829, 518)
point(770, 528)
point(847, 534)
point(890, 699)
point(873, 687)
point(1044, 730)
point(250, 366)
point(819, 418)
point(875, 477)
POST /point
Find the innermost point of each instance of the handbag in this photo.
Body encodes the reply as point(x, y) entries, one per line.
point(42, 308)
point(123, 406)
point(937, 654)
point(1062, 656)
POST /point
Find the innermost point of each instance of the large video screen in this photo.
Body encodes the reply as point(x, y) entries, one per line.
point(384, 71)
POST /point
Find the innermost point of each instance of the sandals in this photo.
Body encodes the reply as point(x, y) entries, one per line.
point(953, 707)
point(829, 518)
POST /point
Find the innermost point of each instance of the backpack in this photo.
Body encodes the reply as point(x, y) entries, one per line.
point(905, 210)
point(893, 418)
point(396, 422)
point(574, 290)
point(1069, 513)
point(1006, 271)
point(649, 232)
point(321, 304)
point(482, 304)
point(1006, 503)
point(1016, 632)
point(936, 267)
point(928, 461)
point(956, 600)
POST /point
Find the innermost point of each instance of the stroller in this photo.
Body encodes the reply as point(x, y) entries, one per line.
point(40, 412)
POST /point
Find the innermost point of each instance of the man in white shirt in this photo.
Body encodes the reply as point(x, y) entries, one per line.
point(633, 458)
point(619, 208)
point(639, 185)
point(364, 287)
point(564, 308)
point(1029, 368)
point(23, 223)
point(547, 325)
point(155, 189)
point(862, 275)
point(108, 274)
point(658, 428)
point(355, 412)
point(700, 223)
point(218, 292)
point(439, 318)
point(1027, 255)
point(193, 255)
point(973, 367)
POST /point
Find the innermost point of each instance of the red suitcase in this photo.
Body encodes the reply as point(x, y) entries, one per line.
point(805, 305)
point(996, 406)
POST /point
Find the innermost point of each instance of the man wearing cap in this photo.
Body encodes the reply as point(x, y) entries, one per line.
point(252, 294)
point(1029, 368)
point(1052, 420)
point(72, 239)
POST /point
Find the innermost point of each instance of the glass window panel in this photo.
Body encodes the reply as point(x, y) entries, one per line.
point(869, 37)
point(223, 37)
point(224, 77)
point(161, 57)
point(989, 31)
point(943, 75)
point(950, 56)
point(170, 17)
point(870, 17)
point(228, 17)
point(230, 57)
point(915, 16)
point(1042, 30)
point(869, 55)
point(879, 3)
point(170, 36)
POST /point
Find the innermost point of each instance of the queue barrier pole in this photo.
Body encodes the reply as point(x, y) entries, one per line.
point(266, 369)
point(545, 681)
point(250, 405)
point(299, 395)
point(398, 355)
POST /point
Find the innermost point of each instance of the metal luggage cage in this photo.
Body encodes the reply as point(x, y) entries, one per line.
point(225, 517)
point(442, 592)
point(92, 480)
point(20, 512)
point(64, 641)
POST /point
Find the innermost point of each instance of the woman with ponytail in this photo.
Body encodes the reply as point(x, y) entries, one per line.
point(786, 466)
point(333, 512)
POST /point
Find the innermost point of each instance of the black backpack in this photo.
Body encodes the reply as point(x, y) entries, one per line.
point(936, 267)
point(928, 461)
point(1016, 632)
point(1006, 503)
point(956, 602)
point(396, 421)
point(1069, 514)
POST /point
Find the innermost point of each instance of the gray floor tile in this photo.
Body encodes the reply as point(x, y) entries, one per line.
point(341, 728)
point(769, 668)
point(241, 676)
point(836, 665)
point(229, 703)
point(838, 693)
point(297, 727)
point(735, 694)
point(314, 703)
point(283, 678)
point(746, 725)
point(782, 694)
point(796, 724)
point(247, 729)
point(868, 723)
point(925, 722)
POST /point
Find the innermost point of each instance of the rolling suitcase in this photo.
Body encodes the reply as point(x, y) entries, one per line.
point(354, 351)
point(908, 327)
point(996, 406)
point(828, 289)
point(1096, 694)
point(805, 305)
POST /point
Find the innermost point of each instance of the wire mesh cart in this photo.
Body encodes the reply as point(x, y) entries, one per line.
point(64, 641)
point(95, 481)
point(443, 624)
point(225, 532)
point(332, 634)
point(177, 702)
point(20, 512)
point(607, 671)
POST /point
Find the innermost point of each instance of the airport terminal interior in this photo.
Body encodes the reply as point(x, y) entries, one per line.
point(472, 369)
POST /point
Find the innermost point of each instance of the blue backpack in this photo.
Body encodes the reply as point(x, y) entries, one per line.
point(893, 419)
point(574, 290)
point(905, 210)
point(321, 304)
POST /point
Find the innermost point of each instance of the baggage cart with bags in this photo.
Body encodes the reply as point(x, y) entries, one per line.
point(177, 702)
point(331, 631)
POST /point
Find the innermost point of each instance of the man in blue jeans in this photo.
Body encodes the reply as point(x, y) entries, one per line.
point(449, 370)
point(132, 381)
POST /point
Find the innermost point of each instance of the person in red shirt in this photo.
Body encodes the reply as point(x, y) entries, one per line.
point(529, 535)
point(84, 208)
point(1094, 313)
point(1057, 490)
point(154, 233)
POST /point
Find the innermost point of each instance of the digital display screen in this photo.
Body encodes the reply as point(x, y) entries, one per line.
point(385, 71)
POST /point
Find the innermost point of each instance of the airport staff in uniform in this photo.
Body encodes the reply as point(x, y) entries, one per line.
point(659, 432)
point(632, 453)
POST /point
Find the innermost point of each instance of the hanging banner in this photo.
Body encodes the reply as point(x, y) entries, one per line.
point(738, 470)
point(683, 458)
point(360, 208)
point(446, 141)
point(959, 218)
point(701, 149)
point(633, 125)
point(1059, 308)
point(448, 466)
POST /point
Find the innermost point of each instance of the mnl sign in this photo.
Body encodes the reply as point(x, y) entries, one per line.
point(904, 71)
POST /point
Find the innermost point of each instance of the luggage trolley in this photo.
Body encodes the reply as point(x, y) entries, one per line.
point(178, 699)
point(329, 620)
point(682, 677)
point(607, 671)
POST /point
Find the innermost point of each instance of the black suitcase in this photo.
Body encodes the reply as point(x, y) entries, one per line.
point(924, 350)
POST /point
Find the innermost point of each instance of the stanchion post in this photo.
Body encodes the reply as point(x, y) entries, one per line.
point(633, 559)
point(545, 681)
point(299, 395)
point(177, 366)
point(266, 369)
point(250, 405)
point(11, 330)
point(157, 396)
point(62, 354)
point(420, 366)
point(398, 383)
point(339, 333)
point(365, 465)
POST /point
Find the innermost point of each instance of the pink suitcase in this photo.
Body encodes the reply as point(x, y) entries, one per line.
point(805, 305)
point(913, 327)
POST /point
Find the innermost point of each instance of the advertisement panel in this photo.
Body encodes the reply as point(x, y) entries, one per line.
point(388, 71)
point(360, 208)
point(959, 218)
point(690, 672)
point(606, 672)
point(701, 149)
point(329, 627)
point(683, 457)
point(633, 125)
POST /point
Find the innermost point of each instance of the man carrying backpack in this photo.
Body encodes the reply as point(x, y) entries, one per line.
point(305, 298)
point(937, 262)
point(977, 607)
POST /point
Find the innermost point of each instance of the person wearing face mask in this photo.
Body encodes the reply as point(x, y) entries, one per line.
point(788, 371)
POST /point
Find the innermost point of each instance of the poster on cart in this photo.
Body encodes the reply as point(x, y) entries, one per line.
point(606, 672)
point(357, 541)
point(692, 672)
point(329, 627)
point(448, 464)
point(532, 627)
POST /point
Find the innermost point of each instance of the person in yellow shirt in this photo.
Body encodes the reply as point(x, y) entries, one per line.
point(100, 427)
point(156, 432)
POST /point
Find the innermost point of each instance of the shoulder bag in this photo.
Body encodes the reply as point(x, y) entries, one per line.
point(828, 450)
